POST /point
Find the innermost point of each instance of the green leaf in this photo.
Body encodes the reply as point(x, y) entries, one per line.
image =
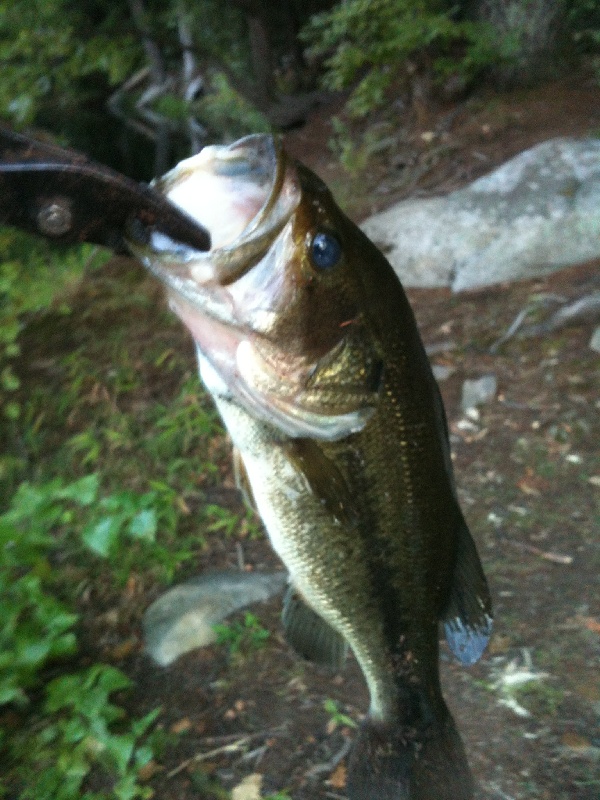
point(112, 679)
point(102, 536)
point(140, 726)
point(8, 380)
point(11, 694)
point(12, 410)
point(84, 491)
point(144, 525)
point(120, 749)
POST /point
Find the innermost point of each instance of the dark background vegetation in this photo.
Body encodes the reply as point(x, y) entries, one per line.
point(114, 472)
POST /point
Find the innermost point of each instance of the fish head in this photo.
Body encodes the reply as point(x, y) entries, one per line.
point(274, 306)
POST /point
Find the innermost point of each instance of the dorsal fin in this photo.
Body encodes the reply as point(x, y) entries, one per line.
point(468, 616)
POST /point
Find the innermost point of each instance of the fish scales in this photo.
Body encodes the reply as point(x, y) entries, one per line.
point(310, 349)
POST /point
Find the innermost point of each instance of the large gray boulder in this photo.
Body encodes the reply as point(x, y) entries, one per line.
point(537, 213)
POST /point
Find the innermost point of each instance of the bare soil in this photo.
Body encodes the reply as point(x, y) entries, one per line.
point(528, 471)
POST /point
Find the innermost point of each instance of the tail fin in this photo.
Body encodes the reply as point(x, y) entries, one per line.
point(393, 762)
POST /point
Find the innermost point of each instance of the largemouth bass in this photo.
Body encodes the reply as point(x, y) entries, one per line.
point(308, 345)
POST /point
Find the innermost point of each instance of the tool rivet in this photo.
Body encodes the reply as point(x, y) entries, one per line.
point(54, 217)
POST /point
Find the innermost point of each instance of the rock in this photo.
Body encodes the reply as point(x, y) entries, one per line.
point(537, 213)
point(249, 788)
point(595, 340)
point(182, 619)
point(478, 391)
point(441, 372)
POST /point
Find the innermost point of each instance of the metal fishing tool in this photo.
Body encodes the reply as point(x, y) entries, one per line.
point(66, 197)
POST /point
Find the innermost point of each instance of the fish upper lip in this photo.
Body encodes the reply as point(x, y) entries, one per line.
point(181, 268)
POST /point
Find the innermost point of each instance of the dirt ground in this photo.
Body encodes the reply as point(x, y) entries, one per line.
point(528, 473)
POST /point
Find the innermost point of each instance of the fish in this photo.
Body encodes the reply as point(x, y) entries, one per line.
point(309, 347)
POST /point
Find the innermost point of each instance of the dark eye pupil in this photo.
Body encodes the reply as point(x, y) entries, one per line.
point(326, 251)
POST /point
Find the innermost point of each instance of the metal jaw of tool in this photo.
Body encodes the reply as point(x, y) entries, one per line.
point(64, 196)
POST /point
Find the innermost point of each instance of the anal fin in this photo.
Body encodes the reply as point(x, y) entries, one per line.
point(468, 616)
point(309, 634)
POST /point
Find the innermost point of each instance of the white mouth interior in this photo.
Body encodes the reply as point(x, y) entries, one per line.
point(224, 204)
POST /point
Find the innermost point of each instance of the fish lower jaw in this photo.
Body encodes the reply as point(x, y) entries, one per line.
point(211, 378)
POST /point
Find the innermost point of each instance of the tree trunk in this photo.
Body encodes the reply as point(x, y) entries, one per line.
point(153, 53)
point(531, 28)
point(262, 60)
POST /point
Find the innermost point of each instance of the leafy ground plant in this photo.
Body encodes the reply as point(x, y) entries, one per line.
point(71, 728)
point(242, 637)
point(83, 731)
point(36, 626)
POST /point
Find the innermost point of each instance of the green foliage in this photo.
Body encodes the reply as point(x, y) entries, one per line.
point(354, 156)
point(32, 276)
point(368, 42)
point(77, 727)
point(35, 626)
point(90, 405)
point(225, 112)
point(178, 426)
point(583, 19)
point(219, 32)
point(336, 716)
point(223, 520)
point(83, 731)
point(48, 48)
point(125, 513)
point(135, 531)
point(242, 637)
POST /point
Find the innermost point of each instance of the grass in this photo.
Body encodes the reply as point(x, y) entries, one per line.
point(110, 449)
point(242, 637)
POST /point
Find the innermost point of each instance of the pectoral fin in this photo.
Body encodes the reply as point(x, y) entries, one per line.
point(309, 635)
point(242, 482)
point(468, 616)
point(324, 478)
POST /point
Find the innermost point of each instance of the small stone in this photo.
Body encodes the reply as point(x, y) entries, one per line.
point(249, 788)
point(181, 726)
point(595, 340)
point(478, 391)
point(473, 414)
point(441, 372)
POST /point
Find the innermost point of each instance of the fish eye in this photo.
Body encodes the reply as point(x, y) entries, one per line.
point(325, 250)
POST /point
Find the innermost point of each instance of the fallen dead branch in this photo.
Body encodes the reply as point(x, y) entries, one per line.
point(583, 310)
point(233, 743)
point(556, 558)
point(329, 766)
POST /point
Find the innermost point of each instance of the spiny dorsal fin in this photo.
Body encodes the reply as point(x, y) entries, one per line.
point(309, 634)
point(468, 616)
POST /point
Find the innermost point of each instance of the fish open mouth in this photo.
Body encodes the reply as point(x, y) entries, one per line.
point(237, 298)
point(243, 194)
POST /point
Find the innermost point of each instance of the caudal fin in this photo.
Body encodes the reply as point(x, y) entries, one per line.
point(398, 763)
